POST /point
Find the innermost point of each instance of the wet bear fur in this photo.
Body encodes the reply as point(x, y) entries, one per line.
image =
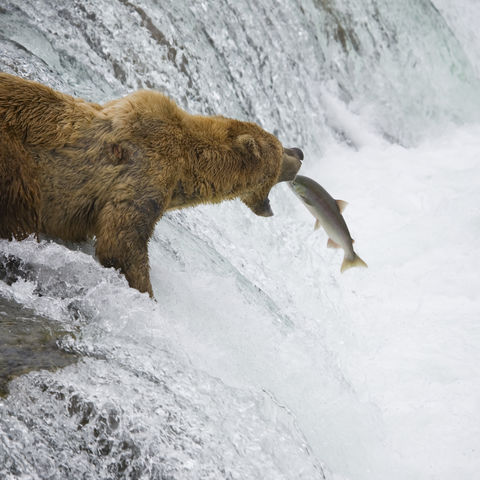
point(73, 170)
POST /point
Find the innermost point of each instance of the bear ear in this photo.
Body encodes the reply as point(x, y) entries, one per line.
point(248, 147)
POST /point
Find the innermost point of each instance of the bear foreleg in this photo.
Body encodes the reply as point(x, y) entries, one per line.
point(122, 239)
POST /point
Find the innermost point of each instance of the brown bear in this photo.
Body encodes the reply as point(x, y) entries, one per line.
point(72, 169)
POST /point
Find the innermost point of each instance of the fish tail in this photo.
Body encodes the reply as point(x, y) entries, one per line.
point(356, 261)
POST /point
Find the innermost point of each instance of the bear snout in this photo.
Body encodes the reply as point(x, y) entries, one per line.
point(295, 152)
point(291, 163)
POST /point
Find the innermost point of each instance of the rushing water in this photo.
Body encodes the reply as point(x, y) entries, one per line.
point(259, 360)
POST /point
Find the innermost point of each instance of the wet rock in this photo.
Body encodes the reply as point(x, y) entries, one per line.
point(27, 342)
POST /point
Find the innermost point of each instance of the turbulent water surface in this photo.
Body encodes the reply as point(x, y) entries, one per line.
point(259, 360)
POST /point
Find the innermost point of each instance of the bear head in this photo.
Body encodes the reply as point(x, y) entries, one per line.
point(264, 162)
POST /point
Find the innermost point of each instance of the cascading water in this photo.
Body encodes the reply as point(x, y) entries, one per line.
point(259, 360)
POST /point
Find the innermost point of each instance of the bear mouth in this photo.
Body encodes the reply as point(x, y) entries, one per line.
point(264, 209)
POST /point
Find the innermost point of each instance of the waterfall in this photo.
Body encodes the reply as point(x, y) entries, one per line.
point(259, 360)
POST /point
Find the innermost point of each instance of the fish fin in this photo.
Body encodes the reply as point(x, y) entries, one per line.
point(332, 244)
point(355, 262)
point(342, 205)
point(317, 224)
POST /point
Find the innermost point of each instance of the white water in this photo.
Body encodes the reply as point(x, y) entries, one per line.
point(260, 360)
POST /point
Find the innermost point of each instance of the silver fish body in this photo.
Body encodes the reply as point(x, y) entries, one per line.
point(328, 214)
